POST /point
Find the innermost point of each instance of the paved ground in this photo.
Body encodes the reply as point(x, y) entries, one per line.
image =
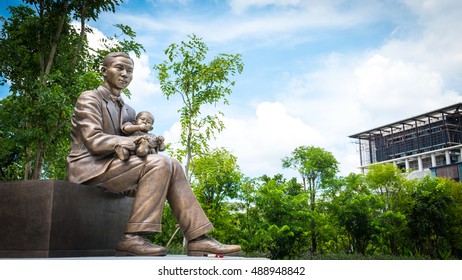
point(168, 257)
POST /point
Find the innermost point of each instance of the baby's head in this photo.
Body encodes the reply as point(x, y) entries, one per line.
point(144, 117)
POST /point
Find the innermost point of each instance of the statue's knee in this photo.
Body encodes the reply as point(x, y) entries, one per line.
point(175, 162)
point(176, 165)
point(159, 162)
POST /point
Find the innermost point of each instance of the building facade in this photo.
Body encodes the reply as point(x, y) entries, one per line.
point(430, 143)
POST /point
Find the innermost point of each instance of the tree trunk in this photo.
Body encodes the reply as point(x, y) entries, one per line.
point(188, 153)
point(314, 243)
point(27, 164)
point(39, 159)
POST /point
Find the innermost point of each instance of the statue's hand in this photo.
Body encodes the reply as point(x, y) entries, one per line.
point(145, 127)
point(130, 144)
point(137, 139)
point(160, 139)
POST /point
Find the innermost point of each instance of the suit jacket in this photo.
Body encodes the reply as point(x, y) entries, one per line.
point(95, 133)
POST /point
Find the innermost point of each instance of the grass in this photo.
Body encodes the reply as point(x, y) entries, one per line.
point(365, 257)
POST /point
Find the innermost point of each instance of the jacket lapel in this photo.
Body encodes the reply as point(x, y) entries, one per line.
point(114, 115)
point(123, 115)
point(110, 107)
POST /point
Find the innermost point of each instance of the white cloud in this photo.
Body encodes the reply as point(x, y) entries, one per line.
point(432, 40)
point(262, 141)
point(143, 87)
point(326, 98)
point(96, 38)
point(419, 72)
point(386, 85)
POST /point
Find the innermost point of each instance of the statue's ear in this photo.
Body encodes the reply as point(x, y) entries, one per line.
point(104, 71)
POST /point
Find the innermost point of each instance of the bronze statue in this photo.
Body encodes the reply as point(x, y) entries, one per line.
point(96, 132)
point(146, 143)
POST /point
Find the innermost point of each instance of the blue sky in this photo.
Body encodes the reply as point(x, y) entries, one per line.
point(315, 71)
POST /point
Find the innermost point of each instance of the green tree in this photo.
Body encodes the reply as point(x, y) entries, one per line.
point(455, 219)
point(216, 177)
point(429, 220)
point(281, 218)
point(47, 63)
point(357, 209)
point(246, 214)
point(390, 183)
point(318, 169)
point(387, 180)
point(187, 73)
point(217, 181)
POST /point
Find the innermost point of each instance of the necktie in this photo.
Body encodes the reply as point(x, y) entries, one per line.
point(117, 99)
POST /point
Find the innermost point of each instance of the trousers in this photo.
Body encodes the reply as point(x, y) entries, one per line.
point(156, 178)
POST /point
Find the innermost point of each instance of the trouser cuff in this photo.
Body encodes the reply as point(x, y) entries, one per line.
point(143, 227)
point(190, 235)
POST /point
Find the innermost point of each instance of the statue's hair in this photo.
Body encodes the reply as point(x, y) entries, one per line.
point(147, 113)
point(110, 57)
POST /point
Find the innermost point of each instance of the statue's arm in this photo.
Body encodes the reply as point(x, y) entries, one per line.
point(159, 141)
point(88, 114)
point(129, 128)
point(162, 146)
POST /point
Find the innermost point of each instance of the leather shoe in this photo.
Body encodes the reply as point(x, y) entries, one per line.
point(208, 245)
point(137, 245)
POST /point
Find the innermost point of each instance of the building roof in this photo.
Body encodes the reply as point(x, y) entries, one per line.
point(409, 122)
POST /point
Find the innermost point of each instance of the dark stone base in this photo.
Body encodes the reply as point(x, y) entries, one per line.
point(54, 218)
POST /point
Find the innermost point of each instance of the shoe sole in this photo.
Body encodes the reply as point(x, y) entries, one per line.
point(205, 253)
point(126, 253)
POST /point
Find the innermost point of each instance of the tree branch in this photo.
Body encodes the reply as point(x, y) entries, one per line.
point(54, 43)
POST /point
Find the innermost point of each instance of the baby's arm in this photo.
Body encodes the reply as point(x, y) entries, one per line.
point(160, 142)
point(129, 128)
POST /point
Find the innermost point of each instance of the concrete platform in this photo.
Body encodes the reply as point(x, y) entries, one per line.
point(164, 258)
point(55, 218)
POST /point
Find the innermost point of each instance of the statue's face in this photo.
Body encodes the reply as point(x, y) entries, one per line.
point(144, 119)
point(119, 74)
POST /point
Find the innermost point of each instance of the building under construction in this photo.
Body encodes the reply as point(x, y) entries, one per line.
point(427, 143)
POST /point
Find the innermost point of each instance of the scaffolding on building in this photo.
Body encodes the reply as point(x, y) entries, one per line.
point(424, 134)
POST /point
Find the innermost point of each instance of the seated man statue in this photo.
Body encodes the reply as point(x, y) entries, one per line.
point(154, 178)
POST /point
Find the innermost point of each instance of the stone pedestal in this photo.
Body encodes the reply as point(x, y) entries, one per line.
point(54, 218)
